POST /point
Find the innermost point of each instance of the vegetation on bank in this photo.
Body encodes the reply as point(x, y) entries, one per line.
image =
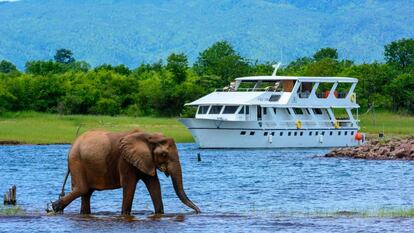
point(45, 128)
point(67, 86)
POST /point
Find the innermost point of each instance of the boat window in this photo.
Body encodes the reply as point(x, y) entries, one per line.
point(305, 89)
point(274, 110)
point(301, 133)
point(352, 132)
point(298, 111)
point(343, 90)
point(247, 110)
point(323, 133)
point(274, 98)
point(216, 109)
point(339, 133)
point(307, 111)
point(241, 110)
point(330, 133)
point(324, 89)
point(289, 133)
point(273, 133)
point(316, 133)
point(264, 111)
point(251, 132)
point(230, 109)
point(346, 133)
point(281, 134)
point(317, 111)
point(203, 109)
point(288, 111)
point(296, 133)
point(310, 133)
point(265, 133)
point(243, 133)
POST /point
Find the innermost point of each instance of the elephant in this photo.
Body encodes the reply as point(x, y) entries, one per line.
point(102, 160)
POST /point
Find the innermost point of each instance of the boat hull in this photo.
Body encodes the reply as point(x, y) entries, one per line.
point(250, 134)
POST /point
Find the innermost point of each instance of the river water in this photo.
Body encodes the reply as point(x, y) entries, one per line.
point(236, 190)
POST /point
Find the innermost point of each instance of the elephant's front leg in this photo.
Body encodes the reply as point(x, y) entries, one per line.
point(154, 189)
point(129, 185)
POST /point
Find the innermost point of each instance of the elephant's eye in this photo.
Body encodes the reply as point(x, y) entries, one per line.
point(164, 154)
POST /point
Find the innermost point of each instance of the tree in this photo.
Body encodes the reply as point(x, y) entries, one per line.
point(177, 64)
point(326, 53)
point(401, 91)
point(222, 60)
point(400, 53)
point(64, 56)
point(7, 67)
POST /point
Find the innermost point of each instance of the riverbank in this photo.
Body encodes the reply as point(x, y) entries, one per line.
point(393, 149)
point(45, 128)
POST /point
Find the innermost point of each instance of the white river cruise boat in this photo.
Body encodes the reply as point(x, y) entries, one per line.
point(278, 112)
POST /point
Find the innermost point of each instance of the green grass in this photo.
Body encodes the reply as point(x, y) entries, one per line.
point(391, 123)
point(44, 128)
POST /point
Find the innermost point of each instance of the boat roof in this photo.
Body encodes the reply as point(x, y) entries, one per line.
point(300, 78)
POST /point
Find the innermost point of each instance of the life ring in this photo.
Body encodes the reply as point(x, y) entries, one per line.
point(353, 97)
point(336, 124)
point(298, 124)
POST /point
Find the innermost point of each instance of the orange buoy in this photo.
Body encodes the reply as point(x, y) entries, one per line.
point(359, 136)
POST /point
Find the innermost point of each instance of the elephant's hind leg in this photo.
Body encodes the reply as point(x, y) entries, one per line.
point(86, 203)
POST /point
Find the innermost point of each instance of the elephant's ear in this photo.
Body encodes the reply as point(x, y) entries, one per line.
point(134, 149)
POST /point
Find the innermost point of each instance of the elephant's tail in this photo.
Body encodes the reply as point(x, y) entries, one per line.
point(62, 193)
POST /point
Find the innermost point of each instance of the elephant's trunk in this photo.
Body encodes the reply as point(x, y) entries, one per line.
point(177, 180)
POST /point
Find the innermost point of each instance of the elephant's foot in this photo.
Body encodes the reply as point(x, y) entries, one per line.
point(57, 207)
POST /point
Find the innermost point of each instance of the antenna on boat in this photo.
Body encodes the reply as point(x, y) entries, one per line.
point(276, 66)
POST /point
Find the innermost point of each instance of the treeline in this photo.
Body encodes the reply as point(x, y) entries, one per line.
point(67, 86)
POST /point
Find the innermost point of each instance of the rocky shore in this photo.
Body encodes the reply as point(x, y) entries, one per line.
point(393, 149)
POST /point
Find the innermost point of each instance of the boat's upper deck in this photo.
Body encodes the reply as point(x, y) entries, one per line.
point(277, 91)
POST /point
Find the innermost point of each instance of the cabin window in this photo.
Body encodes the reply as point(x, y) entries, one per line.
point(274, 98)
point(203, 109)
point(330, 133)
point(310, 133)
point(251, 133)
point(281, 134)
point(301, 133)
point(243, 133)
point(346, 133)
point(273, 133)
point(352, 132)
point(305, 89)
point(247, 110)
point(216, 109)
point(290, 133)
point(339, 133)
point(265, 133)
point(296, 133)
point(298, 111)
point(241, 110)
point(230, 109)
point(323, 133)
point(317, 111)
point(264, 111)
point(274, 110)
point(316, 133)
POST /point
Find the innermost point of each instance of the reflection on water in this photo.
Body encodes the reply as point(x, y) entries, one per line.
point(236, 190)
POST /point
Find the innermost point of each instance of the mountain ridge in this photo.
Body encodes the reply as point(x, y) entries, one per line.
point(128, 32)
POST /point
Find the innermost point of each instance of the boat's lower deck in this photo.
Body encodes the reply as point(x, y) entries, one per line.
point(211, 135)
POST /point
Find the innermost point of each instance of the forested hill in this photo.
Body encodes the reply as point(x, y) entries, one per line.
point(132, 32)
